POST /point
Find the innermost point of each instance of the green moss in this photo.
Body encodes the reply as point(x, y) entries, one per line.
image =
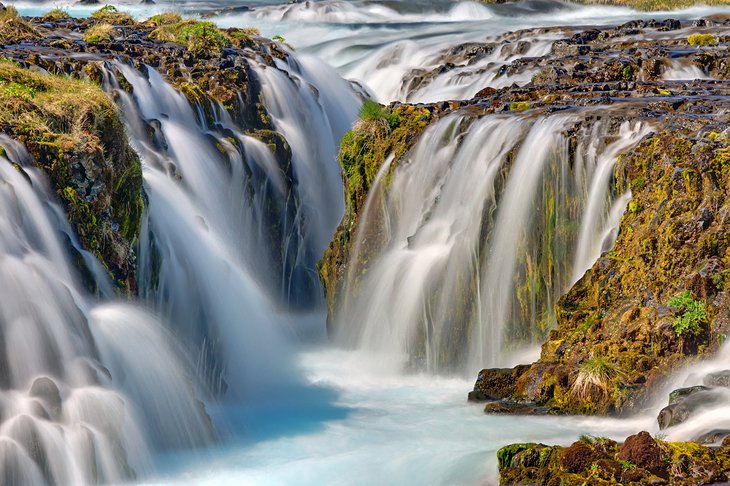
point(519, 106)
point(507, 453)
point(701, 40)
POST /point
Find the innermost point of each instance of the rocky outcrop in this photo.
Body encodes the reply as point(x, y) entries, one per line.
point(640, 460)
point(54, 73)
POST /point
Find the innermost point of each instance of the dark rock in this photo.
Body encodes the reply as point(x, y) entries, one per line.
point(496, 383)
point(681, 393)
point(642, 450)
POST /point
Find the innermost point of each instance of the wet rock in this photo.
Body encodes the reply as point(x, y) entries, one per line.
point(496, 383)
point(566, 49)
point(47, 391)
point(682, 393)
point(714, 436)
point(719, 378)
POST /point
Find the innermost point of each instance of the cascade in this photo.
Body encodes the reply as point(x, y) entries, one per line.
point(232, 234)
point(485, 224)
point(78, 404)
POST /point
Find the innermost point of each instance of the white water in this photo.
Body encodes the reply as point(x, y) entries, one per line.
point(399, 429)
point(214, 287)
point(73, 411)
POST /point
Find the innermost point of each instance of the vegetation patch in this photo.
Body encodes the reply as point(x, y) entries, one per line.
point(99, 33)
point(702, 40)
point(56, 14)
point(15, 29)
point(109, 14)
point(73, 131)
point(691, 313)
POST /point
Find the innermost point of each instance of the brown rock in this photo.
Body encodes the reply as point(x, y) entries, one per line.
point(577, 457)
point(642, 450)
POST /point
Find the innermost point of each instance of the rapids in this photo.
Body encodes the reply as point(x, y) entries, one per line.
point(228, 318)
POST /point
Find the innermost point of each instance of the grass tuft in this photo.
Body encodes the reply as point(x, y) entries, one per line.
point(595, 380)
point(109, 14)
point(99, 33)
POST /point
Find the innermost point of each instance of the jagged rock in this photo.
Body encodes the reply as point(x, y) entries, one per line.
point(714, 436)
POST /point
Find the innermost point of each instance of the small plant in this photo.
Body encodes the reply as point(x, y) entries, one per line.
point(721, 338)
point(371, 111)
point(99, 33)
point(278, 38)
point(19, 91)
point(519, 106)
point(628, 72)
point(595, 379)
point(626, 465)
point(691, 313)
point(702, 40)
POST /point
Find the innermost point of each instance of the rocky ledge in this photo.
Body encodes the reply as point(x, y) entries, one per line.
point(54, 91)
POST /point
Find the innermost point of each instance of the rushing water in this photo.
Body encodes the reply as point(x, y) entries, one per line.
point(102, 391)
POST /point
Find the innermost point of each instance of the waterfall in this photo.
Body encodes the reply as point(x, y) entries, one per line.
point(232, 234)
point(486, 224)
point(79, 404)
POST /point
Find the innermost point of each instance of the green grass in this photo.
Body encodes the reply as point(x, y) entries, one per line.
point(691, 313)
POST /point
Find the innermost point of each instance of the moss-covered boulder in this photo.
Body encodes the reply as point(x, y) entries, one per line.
point(74, 133)
point(640, 460)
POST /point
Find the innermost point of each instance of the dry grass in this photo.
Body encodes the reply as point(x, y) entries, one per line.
point(14, 29)
point(50, 109)
point(595, 380)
